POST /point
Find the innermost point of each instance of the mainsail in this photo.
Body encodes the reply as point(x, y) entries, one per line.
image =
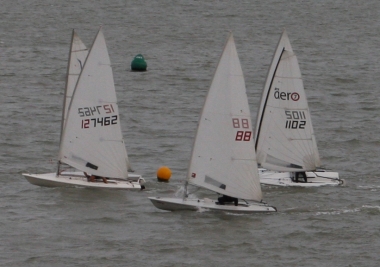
point(223, 157)
point(284, 135)
point(92, 140)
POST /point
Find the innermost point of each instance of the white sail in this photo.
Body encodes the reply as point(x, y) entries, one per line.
point(284, 135)
point(77, 57)
point(92, 140)
point(223, 151)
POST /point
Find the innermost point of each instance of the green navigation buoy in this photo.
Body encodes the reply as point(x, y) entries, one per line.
point(138, 63)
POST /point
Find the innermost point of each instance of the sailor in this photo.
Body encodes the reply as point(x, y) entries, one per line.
point(301, 175)
point(227, 199)
point(92, 178)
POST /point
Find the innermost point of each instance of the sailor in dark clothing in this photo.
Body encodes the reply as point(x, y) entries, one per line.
point(227, 199)
point(300, 177)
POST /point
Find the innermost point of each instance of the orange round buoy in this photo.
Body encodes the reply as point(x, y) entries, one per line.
point(164, 174)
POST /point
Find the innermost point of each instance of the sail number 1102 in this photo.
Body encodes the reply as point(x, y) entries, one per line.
point(295, 119)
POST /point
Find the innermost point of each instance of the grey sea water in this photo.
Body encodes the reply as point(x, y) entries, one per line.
point(337, 44)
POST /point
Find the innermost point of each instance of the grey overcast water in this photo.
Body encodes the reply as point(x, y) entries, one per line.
point(337, 44)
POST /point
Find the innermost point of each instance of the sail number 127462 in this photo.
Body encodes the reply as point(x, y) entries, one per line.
point(97, 110)
point(102, 121)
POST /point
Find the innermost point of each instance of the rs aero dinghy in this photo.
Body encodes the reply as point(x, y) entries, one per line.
point(91, 137)
point(285, 143)
point(223, 156)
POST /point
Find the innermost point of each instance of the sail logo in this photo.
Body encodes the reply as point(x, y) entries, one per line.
point(242, 124)
point(285, 95)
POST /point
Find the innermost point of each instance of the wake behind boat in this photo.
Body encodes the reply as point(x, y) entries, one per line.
point(91, 138)
point(284, 136)
point(223, 157)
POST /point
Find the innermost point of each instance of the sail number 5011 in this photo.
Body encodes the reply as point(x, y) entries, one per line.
point(295, 119)
point(242, 124)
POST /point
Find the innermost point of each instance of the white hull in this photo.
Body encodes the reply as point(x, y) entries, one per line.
point(314, 179)
point(175, 204)
point(77, 179)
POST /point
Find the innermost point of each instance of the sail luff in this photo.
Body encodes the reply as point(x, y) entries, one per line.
point(268, 82)
point(265, 95)
point(188, 177)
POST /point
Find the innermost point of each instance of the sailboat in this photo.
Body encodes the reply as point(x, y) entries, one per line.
point(223, 157)
point(285, 143)
point(91, 142)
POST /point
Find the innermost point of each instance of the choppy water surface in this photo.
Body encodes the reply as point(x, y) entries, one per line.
point(337, 43)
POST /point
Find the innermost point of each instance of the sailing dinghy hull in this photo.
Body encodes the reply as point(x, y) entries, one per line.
point(77, 179)
point(314, 179)
point(178, 204)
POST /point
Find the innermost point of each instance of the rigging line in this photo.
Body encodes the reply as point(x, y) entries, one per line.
point(79, 50)
point(266, 99)
point(290, 77)
point(334, 179)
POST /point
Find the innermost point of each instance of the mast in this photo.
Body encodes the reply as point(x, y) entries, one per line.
point(77, 56)
point(65, 95)
point(185, 190)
